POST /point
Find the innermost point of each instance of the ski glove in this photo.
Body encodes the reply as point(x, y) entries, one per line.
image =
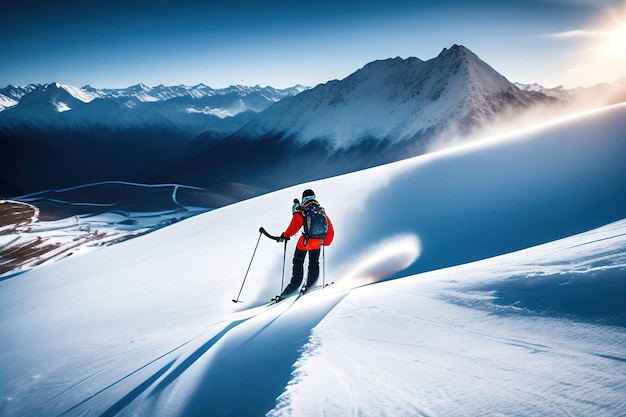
point(282, 238)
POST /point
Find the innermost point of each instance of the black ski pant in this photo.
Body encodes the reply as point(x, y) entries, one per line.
point(298, 269)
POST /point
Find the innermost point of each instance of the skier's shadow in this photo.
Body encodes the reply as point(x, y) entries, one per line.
point(252, 365)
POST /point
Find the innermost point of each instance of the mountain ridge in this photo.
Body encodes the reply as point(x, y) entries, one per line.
point(394, 99)
point(39, 105)
point(388, 110)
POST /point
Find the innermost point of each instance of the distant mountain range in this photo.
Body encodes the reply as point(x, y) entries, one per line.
point(192, 110)
point(54, 135)
point(600, 94)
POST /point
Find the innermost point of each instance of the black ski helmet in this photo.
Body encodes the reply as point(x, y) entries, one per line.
point(308, 193)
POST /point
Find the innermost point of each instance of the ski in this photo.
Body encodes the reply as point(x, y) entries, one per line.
point(317, 287)
point(277, 299)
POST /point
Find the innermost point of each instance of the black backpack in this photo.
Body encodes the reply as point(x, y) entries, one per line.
point(315, 222)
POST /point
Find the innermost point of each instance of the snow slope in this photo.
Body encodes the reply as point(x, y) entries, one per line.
point(509, 259)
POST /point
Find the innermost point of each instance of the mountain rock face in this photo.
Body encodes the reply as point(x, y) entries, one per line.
point(386, 111)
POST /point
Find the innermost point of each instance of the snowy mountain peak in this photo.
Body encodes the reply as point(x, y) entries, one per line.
point(11, 95)
point(475, 75)
point(6, 102)
point(49, 99)
point(389, 63)
point(394, 99)
point(78, 93)
point(455, 50)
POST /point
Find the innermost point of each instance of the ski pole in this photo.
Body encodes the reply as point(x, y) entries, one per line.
point(282, 280)
point(323, 266)
point(236, 300)
point(276, 238)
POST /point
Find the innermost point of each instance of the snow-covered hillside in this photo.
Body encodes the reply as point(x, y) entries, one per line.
point(486, 279)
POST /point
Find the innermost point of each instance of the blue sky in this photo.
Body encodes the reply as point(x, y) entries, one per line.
point(282, 43)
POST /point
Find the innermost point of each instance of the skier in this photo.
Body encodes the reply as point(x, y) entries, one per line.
point(318, 232)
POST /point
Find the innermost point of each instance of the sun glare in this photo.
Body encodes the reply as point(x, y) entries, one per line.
point(604, 58)
point(618, 41)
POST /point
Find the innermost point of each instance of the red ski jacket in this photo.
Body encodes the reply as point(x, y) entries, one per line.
point(297, 221)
